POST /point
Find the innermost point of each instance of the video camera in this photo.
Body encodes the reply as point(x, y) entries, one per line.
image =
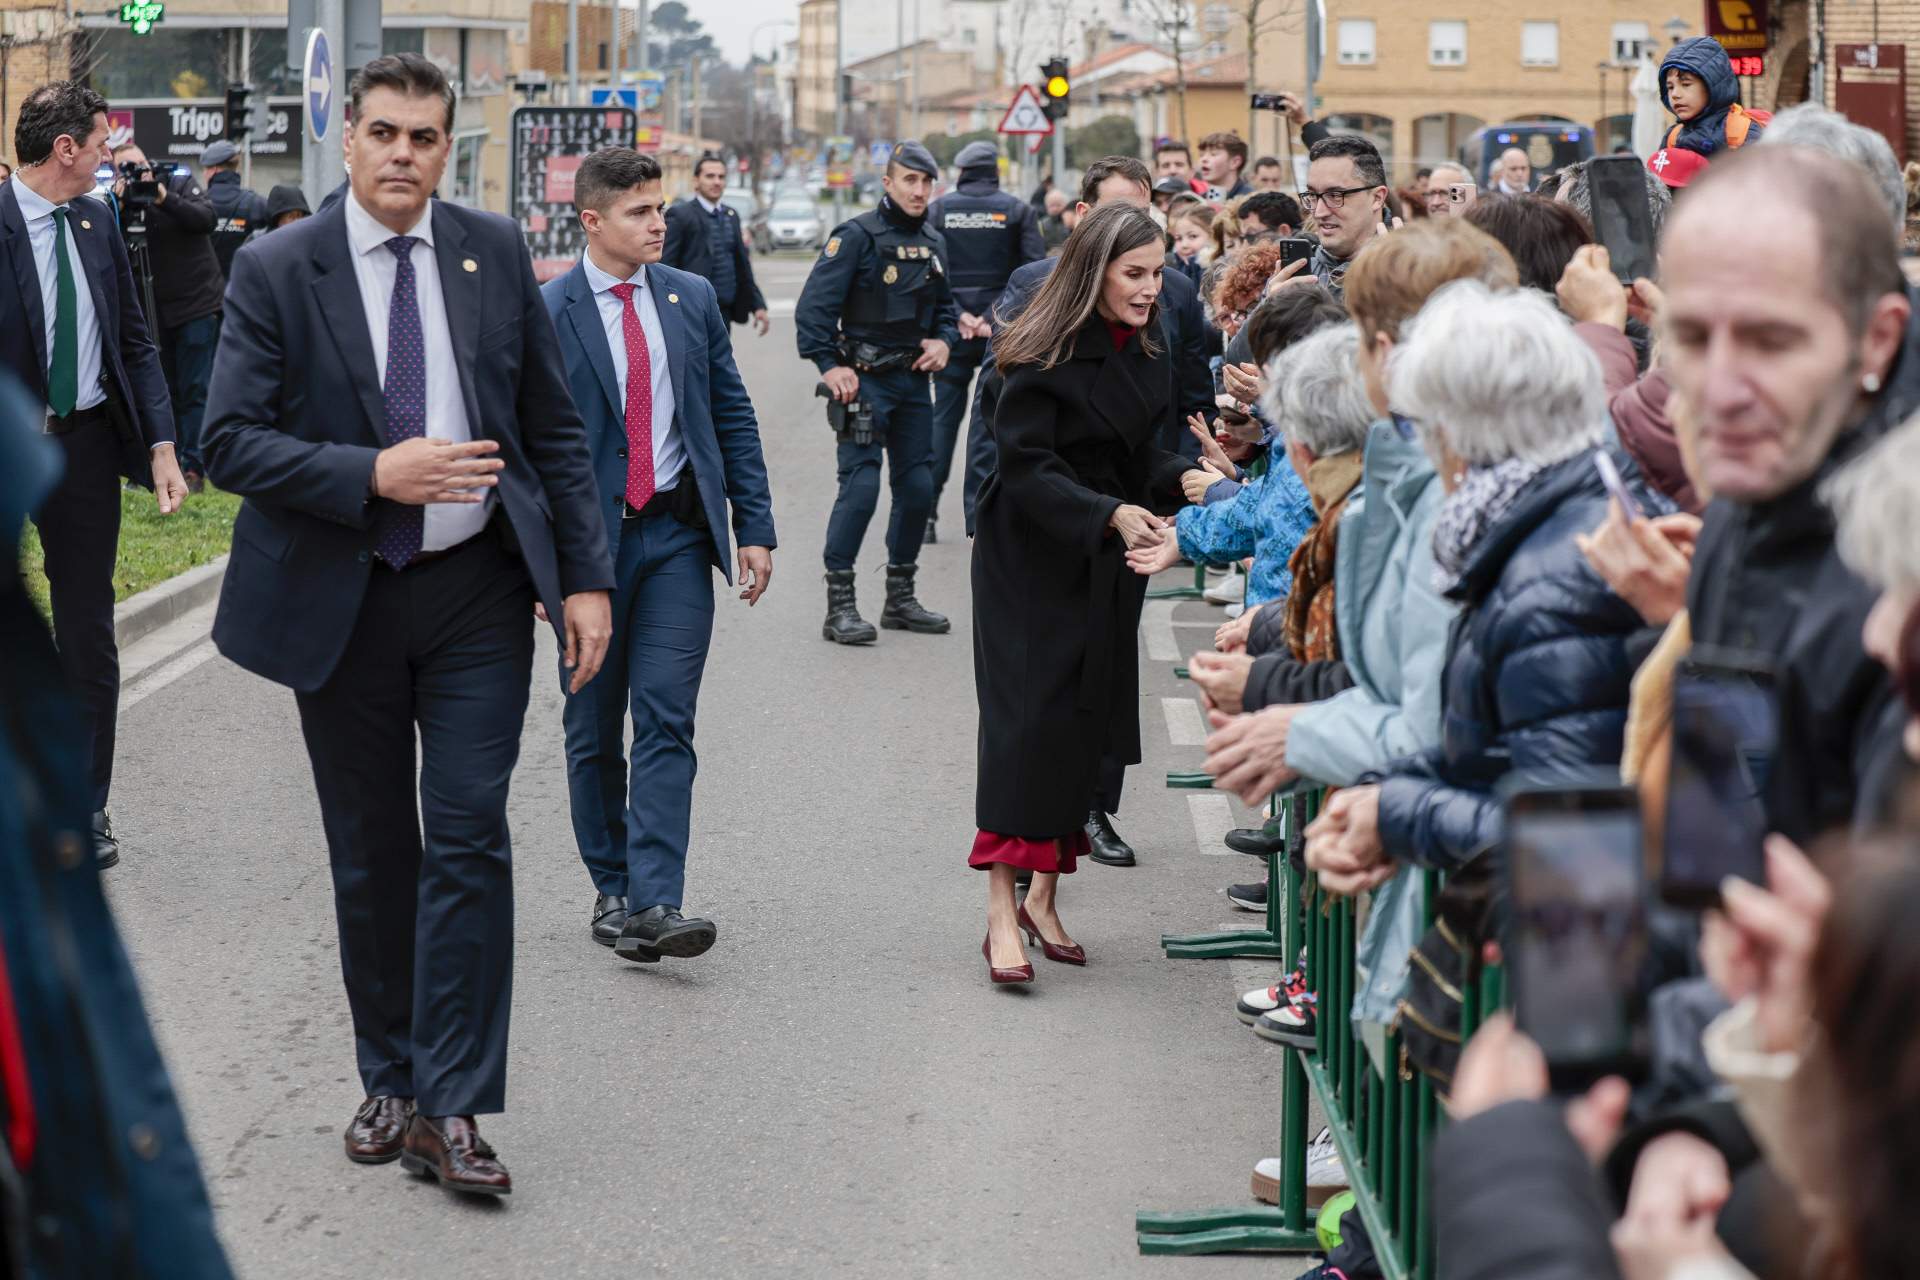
point(144, 182)
point(850, 422)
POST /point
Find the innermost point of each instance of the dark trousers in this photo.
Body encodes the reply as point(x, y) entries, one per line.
point(952, 398)
point(903, 409)
point(982, 455)
point(631, 816)
point(426, 924)
point(186, 357)
point(79, 527)
point(1107, 786)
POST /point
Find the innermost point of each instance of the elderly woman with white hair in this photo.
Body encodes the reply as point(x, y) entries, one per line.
point(1509, 404)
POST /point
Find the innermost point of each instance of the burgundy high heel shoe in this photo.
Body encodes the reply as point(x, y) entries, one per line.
point(1004, 977)
point(1073, 954)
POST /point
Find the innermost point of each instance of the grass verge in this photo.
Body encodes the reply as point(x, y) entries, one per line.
point(153, 547)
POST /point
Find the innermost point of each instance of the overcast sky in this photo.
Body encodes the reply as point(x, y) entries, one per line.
point(732, 24)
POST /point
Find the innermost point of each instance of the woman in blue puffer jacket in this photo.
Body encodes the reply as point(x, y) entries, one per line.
point(1510, 405)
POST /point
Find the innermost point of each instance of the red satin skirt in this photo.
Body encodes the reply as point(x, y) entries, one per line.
point(1045, 856)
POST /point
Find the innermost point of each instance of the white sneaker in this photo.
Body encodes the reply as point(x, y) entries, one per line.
point(1231, 589)
point(1326, 1176)
point(1235, 610)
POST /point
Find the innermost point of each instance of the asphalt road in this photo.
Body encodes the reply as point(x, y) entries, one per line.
point(834, 1089)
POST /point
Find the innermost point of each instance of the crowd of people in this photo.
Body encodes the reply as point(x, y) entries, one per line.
point(1481, 510)
point(1487, 505)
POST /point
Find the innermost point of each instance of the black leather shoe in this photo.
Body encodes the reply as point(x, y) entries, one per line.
point(1109, 850)
point(662, 931)
point(1256, 841)
point(106, 850)
point(609, 913)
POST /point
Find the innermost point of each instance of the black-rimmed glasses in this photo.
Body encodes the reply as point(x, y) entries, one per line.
point(1334, 199)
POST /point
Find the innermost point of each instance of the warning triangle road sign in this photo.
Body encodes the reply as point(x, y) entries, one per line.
point(1026, 115)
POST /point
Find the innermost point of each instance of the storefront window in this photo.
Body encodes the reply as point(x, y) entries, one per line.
point(403, 40)
point(268, 72)
point(185, 62)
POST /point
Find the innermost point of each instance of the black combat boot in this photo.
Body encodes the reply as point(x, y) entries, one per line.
point(844, 625)
point(903, 612)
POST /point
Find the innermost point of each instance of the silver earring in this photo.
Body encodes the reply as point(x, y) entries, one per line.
point(1870, 384)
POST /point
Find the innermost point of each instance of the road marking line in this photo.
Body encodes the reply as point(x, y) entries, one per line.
point(151, 682)
point(1156, 630)
point(1184, 724)
point(1212, 819)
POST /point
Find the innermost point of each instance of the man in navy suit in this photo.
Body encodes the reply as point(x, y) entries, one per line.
point(71, 331)
point(703, 236)
point(674, 441)
point(389, 398)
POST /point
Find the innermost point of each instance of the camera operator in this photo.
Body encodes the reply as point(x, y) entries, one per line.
point(168, 222)
point(239, 213)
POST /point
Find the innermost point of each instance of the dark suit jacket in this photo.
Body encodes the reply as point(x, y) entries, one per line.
point(137, 395)
point(687, 250)
point(710, 403)
point(1184, 325)
point(296, 415)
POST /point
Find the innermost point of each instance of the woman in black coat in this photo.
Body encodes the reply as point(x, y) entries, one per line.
point(1055, 609)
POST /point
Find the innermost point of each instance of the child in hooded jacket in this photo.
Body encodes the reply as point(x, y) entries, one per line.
point(1698, 86)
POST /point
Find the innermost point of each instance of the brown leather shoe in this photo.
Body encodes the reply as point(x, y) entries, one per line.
point(378, 1129)
point(450, 1150)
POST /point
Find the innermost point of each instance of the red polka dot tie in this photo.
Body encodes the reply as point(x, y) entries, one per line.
point(402, 526)
point(639, 402)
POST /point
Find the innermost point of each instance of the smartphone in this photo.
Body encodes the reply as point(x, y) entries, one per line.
point(1294, 249)
point(1460, 197)
point(1610, 477)
point(1268, 101)
point(1622, 220)
point(1726, 728)
point(1577, 930)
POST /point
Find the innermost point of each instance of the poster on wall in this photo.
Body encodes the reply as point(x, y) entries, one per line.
point(548, 145)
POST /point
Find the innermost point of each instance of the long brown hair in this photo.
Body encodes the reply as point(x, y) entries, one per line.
point(1044, 333)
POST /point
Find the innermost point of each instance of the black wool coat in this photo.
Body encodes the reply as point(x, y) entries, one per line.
point(1056, 611)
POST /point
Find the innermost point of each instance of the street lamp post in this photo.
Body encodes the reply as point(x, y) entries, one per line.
point(753, 99)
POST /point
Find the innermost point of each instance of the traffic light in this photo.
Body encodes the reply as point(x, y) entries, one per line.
point(1054, 87)
point(239, 113)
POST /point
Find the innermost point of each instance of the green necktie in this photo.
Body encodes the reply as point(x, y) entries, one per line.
point(63, 375)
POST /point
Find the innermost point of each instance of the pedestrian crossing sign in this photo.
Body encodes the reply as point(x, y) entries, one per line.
point(1026, 115)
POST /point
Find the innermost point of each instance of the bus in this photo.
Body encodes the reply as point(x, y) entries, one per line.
point(1551, 145)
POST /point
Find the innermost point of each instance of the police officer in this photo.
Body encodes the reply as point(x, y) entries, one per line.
point(989, 235)
point(237, 212)
point(877, 318)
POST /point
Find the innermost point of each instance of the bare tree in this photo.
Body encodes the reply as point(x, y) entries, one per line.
point(1171, 19)
point(1265, 17)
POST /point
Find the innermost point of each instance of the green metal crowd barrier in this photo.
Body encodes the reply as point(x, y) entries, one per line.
point(1382, 1123)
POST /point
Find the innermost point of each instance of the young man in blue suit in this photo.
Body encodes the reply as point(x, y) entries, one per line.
point(650, 363)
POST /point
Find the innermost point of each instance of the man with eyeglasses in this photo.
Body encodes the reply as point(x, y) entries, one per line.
point(1345, 193)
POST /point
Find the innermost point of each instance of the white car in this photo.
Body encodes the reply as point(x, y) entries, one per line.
point(795, 224)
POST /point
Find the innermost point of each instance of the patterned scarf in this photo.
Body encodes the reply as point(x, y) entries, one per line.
point(1331, 270)
point(1471, 510)
point(1308, 625)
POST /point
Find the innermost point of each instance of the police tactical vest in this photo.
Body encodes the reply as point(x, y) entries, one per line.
point(892, 302)
point(981, 241)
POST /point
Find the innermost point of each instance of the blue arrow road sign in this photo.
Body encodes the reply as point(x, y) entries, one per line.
point(319, 82)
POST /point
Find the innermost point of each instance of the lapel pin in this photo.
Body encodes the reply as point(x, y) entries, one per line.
point(470, 265)
point(673, 297)
point(85, 225)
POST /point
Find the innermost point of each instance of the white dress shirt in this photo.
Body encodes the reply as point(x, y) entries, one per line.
point(374, 266)
point(669, 451)
point(41, 237)
point(706, 204)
